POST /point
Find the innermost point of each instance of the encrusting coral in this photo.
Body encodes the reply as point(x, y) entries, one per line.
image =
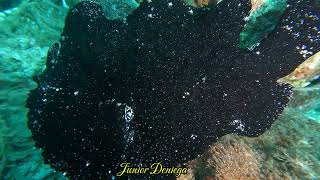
point(202, 3)
point(256, 4)
point(234, 160)
point(304, 74)
point(262, 20)
point(229, 159)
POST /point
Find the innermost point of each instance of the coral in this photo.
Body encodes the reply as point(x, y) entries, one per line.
point(256, 4)
point(228, 159)
point(38, 18)
point(25, 40)
point(305, 73)
point(261, 21)
point(188, 176)
point(294, 154)
point(202, 3)
point(234, 160)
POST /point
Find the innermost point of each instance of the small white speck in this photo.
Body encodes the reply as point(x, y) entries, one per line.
point(193, 136)
point(76, 93)
point(204, 79)
point(87, 163)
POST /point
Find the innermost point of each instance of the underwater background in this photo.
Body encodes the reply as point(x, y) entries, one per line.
point(289, 149)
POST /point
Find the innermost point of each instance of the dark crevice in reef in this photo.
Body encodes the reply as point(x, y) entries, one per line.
point(180, 73)
point(5, 5)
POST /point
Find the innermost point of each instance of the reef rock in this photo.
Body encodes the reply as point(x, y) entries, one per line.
point(256, 4)
point(263, 19)
point(5, 5)
point(26, 32)
point(305, 73)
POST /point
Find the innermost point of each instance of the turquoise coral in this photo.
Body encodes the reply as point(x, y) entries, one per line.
point(261, 22)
